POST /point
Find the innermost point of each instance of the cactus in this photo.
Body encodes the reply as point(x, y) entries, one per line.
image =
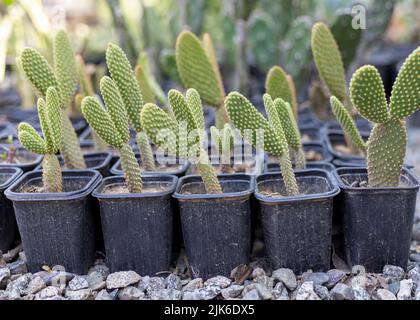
point(111, 125)
point(280, 85)
point(347, 38)
point(250, 123)
point(126, 82)
point(387, 142)
point(295, 48)
point(50, 119)
point(187, 110)
point(329, 62)
point(198, 69)
point(64, 78)
point(224, 143)
point(261, 39)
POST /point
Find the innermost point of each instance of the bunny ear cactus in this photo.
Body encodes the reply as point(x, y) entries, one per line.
point(280, 85)
point(224, 144)
point(50, 119)
point(111, 125)
point(131, 95)
point(387, 142)
point(165, 131)
point(64, 77)
point(252, 124)
point(198, 69)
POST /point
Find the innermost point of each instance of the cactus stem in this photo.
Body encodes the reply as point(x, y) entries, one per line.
point(146, 152)
point(131, 169)
point(288, 175)
point(70, 147)
point(51, 174)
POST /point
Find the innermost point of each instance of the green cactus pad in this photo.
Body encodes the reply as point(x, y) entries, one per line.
point(328, 61)
point(194, 103)
point(288, 123)
point(38, 71)
point(347, 123)
point(53, 119)
point(181, 109)
point(275, 122)
point(245, 117)
point(65, 67)
point(123, 75)
point(196, 70)
point(209, 176)
point(46, 126)
point(99, 119)
point(405, 98)
point(30, 139)
point(368, 95)
point(385, 154)
point(146, 152)
point(278, 86)
point(288, 175)
point(211, 53)
point(52, 180)
point(131, 169)
point(146, 90)
point(115, 107)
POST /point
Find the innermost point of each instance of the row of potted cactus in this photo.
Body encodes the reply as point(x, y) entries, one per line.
point(57, 211)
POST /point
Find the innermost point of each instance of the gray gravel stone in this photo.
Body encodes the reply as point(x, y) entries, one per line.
point(57, 279)
point(414, 274)
point(334, 276)
point(173, 282)
point(219, 281)
point(286, 276)
point(83, 294)
point(47, 293)
point(322, 292)
point(36, 285)
point(360, 294)
point(122, 279)
point(4, 277)
point(130, 293)
point(20, 284)
point(78, 283)
point(208, 292)
point(341, 291)
point(265, 281)
point(316, 277)
point(232, 291)
point(258, 272)
point(393, 273)
point(166, 294)
point(193, 285)
point(252, 295)
point(417, 294)
point(383, 294)
point(415, 257)
point(101, 268)
point(405, 289)
point(18, 267)
point(155, 284)
point(96, 281)
point(143, 283)
point(394, 287)
point(280, 292)
point(103, 295)
point(306, 292)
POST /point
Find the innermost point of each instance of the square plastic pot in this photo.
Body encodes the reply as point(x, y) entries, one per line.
point(116, 169)
point(275, 167)
point(333, 137)
point(56, 228)
point(297, 230)
point(8, 227)
point(216, 227)
point(137, 228)
point(377, 222)
point(310, 133)
point(99, 161)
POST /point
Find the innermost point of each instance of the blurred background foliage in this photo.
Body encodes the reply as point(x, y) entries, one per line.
point(250, 36)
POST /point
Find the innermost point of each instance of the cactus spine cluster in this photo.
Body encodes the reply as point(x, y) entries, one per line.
point(128, 87)
point(64, 78)
point(251, 124)
point(387, 142)
point(198, 68)
point(188, 111)
point(50, 119)
point(111, 125)
point(224, 143)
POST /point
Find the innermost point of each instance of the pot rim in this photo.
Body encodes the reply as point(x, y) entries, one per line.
point(107, 159)
point(409, 174)
point(222, 177)
point(34, 163)
point(172, 179)
point(326, 138)
point(54, 196)
point(15, 172)
point(310, 163)
point(335, 190)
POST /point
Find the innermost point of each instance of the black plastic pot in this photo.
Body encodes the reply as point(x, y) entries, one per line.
point(216, 227)
point(332, 138)
point(362, 124)
point(56, 228)
point(311, 146)
point(311, 134)
point(137, 228)
point(275, 167)
point(35, 159)
point(178, 171)
point(99, 161)
point(297, 230)
point(7, 216)
point(358, 163)
point(307, 118)
point(377, 222)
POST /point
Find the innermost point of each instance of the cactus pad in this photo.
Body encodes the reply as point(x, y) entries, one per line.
point(278, 86)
